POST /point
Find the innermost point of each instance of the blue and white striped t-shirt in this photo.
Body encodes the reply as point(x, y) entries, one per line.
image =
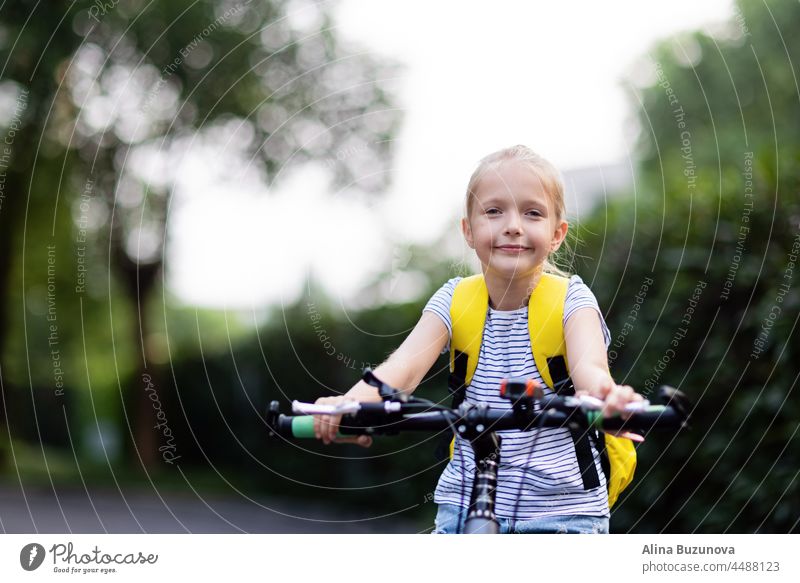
point(551, 481)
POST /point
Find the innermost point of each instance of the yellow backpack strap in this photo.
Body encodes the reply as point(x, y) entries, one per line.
point(546, 327)
point(467, 316)
point(545, 322)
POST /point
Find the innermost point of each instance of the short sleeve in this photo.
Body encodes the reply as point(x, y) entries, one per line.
point(439, 304)
point(580, 296)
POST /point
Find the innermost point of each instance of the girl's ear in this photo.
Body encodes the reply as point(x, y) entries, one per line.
point(465, 229)
point(558, 236)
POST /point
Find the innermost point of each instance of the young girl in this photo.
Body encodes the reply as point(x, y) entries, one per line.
point(514, 221)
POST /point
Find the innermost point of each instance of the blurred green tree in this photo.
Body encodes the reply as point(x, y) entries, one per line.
point(312, 348)
point(698, 271)
point(102, 100)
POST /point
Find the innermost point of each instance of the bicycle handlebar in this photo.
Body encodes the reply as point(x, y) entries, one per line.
point(392, 417)
point(530, 409)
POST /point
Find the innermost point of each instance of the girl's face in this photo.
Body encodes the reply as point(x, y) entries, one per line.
point(512, 224)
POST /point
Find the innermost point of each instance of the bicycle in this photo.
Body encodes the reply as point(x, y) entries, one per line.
point(531, 409)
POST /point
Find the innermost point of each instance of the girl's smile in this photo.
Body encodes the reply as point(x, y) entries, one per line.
point(515, 249)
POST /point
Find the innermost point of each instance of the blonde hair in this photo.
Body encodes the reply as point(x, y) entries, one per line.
point(544, 170)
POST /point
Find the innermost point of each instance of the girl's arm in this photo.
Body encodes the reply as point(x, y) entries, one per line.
point(404, 369)
point(588, 362)
point(407, 366)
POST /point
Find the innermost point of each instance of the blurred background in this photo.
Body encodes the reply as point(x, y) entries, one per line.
point(206, 206)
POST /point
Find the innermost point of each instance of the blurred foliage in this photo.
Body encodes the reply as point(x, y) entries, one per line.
point(306, 350)
point(100, 103)
point(712, 223)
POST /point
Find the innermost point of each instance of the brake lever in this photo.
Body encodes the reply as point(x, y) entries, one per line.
point(344, 408)
point(595, 404)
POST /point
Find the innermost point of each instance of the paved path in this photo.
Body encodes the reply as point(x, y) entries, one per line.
point(40, 510)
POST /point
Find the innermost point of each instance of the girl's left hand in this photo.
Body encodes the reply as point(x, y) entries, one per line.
point(616, 397)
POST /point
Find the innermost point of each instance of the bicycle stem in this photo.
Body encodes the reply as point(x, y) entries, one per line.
point(481, 518)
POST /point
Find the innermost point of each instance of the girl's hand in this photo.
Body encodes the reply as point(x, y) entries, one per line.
point(326, 426)
point(616, 397)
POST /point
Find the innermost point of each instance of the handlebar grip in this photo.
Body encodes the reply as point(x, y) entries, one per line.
point(298, 427)
point(302, 426)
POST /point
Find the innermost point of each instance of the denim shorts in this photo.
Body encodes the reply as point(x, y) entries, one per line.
point(450, 518)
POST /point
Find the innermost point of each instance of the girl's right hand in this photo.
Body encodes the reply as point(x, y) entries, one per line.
point(326, 426)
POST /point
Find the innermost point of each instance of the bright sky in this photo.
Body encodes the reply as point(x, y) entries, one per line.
point(478, 77)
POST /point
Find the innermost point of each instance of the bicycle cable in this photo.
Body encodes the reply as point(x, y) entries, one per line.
point(518, 497)
point(457, 445)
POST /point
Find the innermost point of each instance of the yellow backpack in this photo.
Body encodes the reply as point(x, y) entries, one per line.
point(545, 316)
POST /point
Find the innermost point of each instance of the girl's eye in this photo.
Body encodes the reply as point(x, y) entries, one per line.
point(534, 213)
point(492, 211)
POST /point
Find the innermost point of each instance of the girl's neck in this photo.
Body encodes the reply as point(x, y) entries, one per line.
point(510, 294)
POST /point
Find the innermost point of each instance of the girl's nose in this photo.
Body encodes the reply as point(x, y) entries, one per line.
point(513, 224)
